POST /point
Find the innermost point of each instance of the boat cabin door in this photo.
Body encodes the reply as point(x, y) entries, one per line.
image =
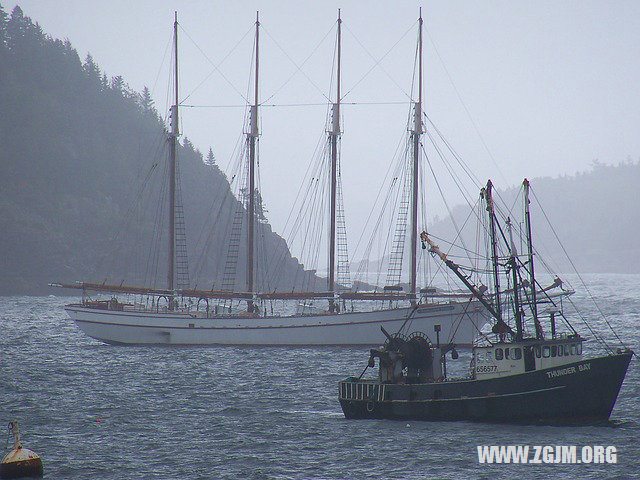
point(529, 359)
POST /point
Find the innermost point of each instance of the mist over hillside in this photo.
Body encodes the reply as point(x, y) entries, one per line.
point(83, 180)
point(82, 169)
point(594, 216)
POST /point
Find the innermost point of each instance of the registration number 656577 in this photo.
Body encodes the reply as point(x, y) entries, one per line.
point(486, 368)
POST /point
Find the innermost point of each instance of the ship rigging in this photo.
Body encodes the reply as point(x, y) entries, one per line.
point(188, 316)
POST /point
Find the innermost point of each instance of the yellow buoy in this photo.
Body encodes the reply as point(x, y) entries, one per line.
point(20, 462)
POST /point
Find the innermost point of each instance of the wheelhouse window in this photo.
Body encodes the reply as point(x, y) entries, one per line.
point(506, 353)
point(546, 351)
point(517, 353)
point(499, 354)
point(566, 350)
point(554, 350)
point(579, 349)
point(574, 351)
point(538, 351)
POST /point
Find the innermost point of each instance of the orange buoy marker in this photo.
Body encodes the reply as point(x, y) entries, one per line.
point(20, 462)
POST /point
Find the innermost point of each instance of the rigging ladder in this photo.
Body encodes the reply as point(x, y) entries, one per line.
point(182, 260)
point(394, 270)
point(342, 257)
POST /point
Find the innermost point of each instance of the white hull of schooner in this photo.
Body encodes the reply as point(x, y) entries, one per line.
point(459, 322)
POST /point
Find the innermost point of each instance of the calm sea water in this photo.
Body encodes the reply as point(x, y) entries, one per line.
point(98, 411)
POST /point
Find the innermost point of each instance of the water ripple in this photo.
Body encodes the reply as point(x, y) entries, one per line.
point(98, 411)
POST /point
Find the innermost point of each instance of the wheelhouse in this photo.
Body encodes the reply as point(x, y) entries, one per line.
point(503, 359)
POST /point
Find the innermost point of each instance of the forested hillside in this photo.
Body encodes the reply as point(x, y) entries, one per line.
point(82, 175)
point(83, 187)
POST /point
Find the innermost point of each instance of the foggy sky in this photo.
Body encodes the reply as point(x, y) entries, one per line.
point(550, 85)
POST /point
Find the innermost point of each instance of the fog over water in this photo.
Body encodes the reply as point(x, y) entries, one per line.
point(519, 89)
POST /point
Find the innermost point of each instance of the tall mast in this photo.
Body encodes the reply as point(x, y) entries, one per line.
point(488, 194)
point(416, 134)
point(334, 134)
point(173, 145)
point(252, 137)
point(513, 262)
point(532, 275)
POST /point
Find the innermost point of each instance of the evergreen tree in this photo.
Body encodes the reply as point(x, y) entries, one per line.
point(117, 84)
point(23, 36)
point(72, 55)
point(92, 70)
point(16, 27)
point(261, 209)
point(211, 159)
point(146, 102)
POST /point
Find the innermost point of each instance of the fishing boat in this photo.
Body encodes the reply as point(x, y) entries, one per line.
point(180, 315)
point(517, 374)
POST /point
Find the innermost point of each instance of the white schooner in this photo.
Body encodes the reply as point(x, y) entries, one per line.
point(187, 316)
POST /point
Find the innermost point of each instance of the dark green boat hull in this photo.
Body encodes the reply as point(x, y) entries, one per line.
point(580, 392)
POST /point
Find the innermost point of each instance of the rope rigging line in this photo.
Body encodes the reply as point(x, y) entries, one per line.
point(375, 202)
point(604, 317)
point(399, 165)
point(466, 109)
point(311, 203)
point(311, 104)
point(456, 179)
point(378, 62)
point(598, 338)
point(310, 168)
point(164, 57)
point(203, 242)
point(452, 243)
point(153, 258)
point(263, 273)
point(296, 65)
point(168, 94)
point(465, 168)
point(132, 206)
point(458, 184)
point(233, 228)
point(214, 65)
point(229, 199)
point(396, 253)
point(299, 68)
point(423, 266)
point(372, 237)
point(313, 235)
